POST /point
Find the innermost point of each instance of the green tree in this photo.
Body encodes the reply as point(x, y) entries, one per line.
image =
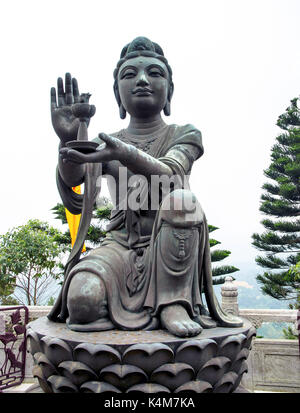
point(219, 272)
point(289, 334)
point(281, 202)
point(6, 292)
point(30, 262)
point(97, 232)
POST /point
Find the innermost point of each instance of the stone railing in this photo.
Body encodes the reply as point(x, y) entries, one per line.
point(274, 365)
point(259, 316)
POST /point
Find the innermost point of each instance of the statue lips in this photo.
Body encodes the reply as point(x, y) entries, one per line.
point(142, 91)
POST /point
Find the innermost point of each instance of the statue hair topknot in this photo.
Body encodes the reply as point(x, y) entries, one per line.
point(141, 43)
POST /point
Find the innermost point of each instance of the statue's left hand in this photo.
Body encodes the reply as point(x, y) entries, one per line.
point(112, 149)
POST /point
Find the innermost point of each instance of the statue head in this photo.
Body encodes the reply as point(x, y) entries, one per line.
point(142, 65)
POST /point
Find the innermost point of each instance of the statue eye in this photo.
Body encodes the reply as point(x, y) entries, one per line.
point(128, 74)
point(155, 73)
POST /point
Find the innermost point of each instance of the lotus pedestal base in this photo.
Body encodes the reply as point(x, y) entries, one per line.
point(138, 361)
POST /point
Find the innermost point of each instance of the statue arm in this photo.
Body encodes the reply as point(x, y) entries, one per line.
point(183, 150)
point(183, 156)
point(185, 147)
point(71, 173)
point(137, 161)
point(180, 158)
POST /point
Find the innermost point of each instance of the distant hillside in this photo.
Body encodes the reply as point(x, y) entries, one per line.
point(250, 294)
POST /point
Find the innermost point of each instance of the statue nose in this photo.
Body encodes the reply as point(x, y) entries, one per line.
point(142, 80)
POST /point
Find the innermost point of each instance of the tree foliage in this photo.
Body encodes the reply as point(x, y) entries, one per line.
point(96, 232)
point(289, 333)
point(219, 272)
point(281, 200)
point(30, 257)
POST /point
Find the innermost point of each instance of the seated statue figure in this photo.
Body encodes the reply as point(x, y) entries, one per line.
point(153, 269)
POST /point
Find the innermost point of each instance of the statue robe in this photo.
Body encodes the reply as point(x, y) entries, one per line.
point(138, 277)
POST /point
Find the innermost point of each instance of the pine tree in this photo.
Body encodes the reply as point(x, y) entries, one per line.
point(219, 272)
point(281, 201)
point(96, 233)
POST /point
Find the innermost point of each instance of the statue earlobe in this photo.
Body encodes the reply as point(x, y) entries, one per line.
point(122, 111)
point(167, 108)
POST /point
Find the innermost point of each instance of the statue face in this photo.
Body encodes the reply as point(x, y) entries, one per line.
point(143, 86)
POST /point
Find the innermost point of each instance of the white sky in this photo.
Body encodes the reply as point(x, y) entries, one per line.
point(236, 67)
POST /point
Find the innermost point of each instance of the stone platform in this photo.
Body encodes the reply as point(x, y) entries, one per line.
point(138, 361)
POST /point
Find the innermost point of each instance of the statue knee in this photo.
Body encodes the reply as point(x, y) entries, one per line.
point(86, 300)
point(181, 208)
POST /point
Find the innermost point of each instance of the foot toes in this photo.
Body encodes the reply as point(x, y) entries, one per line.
point(181, 329)
point(196, 328)
point(193, 328)
point(177, 321)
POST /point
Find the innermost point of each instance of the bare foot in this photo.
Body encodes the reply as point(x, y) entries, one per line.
point(177, 321)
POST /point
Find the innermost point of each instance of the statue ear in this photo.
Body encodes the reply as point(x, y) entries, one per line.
point(167, 108)
point(118, 99)
point(122, 111)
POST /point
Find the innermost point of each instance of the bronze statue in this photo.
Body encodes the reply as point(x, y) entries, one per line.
point(154, 265)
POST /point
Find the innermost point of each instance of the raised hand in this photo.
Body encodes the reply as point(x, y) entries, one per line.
point(64, 122)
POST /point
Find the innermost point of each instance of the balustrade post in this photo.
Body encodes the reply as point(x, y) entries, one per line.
point(229, 293)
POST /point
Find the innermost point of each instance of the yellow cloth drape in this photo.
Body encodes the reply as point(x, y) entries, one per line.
point(73, 221)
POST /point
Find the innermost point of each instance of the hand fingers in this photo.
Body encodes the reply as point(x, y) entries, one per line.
point(72, 155)
point(60, 92)
point(69, 89)
point(107, 139)
point(75, 90)
point(63, 153)
point(53, 98)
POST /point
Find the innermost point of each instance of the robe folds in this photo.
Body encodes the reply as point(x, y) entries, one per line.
point(142, 271)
